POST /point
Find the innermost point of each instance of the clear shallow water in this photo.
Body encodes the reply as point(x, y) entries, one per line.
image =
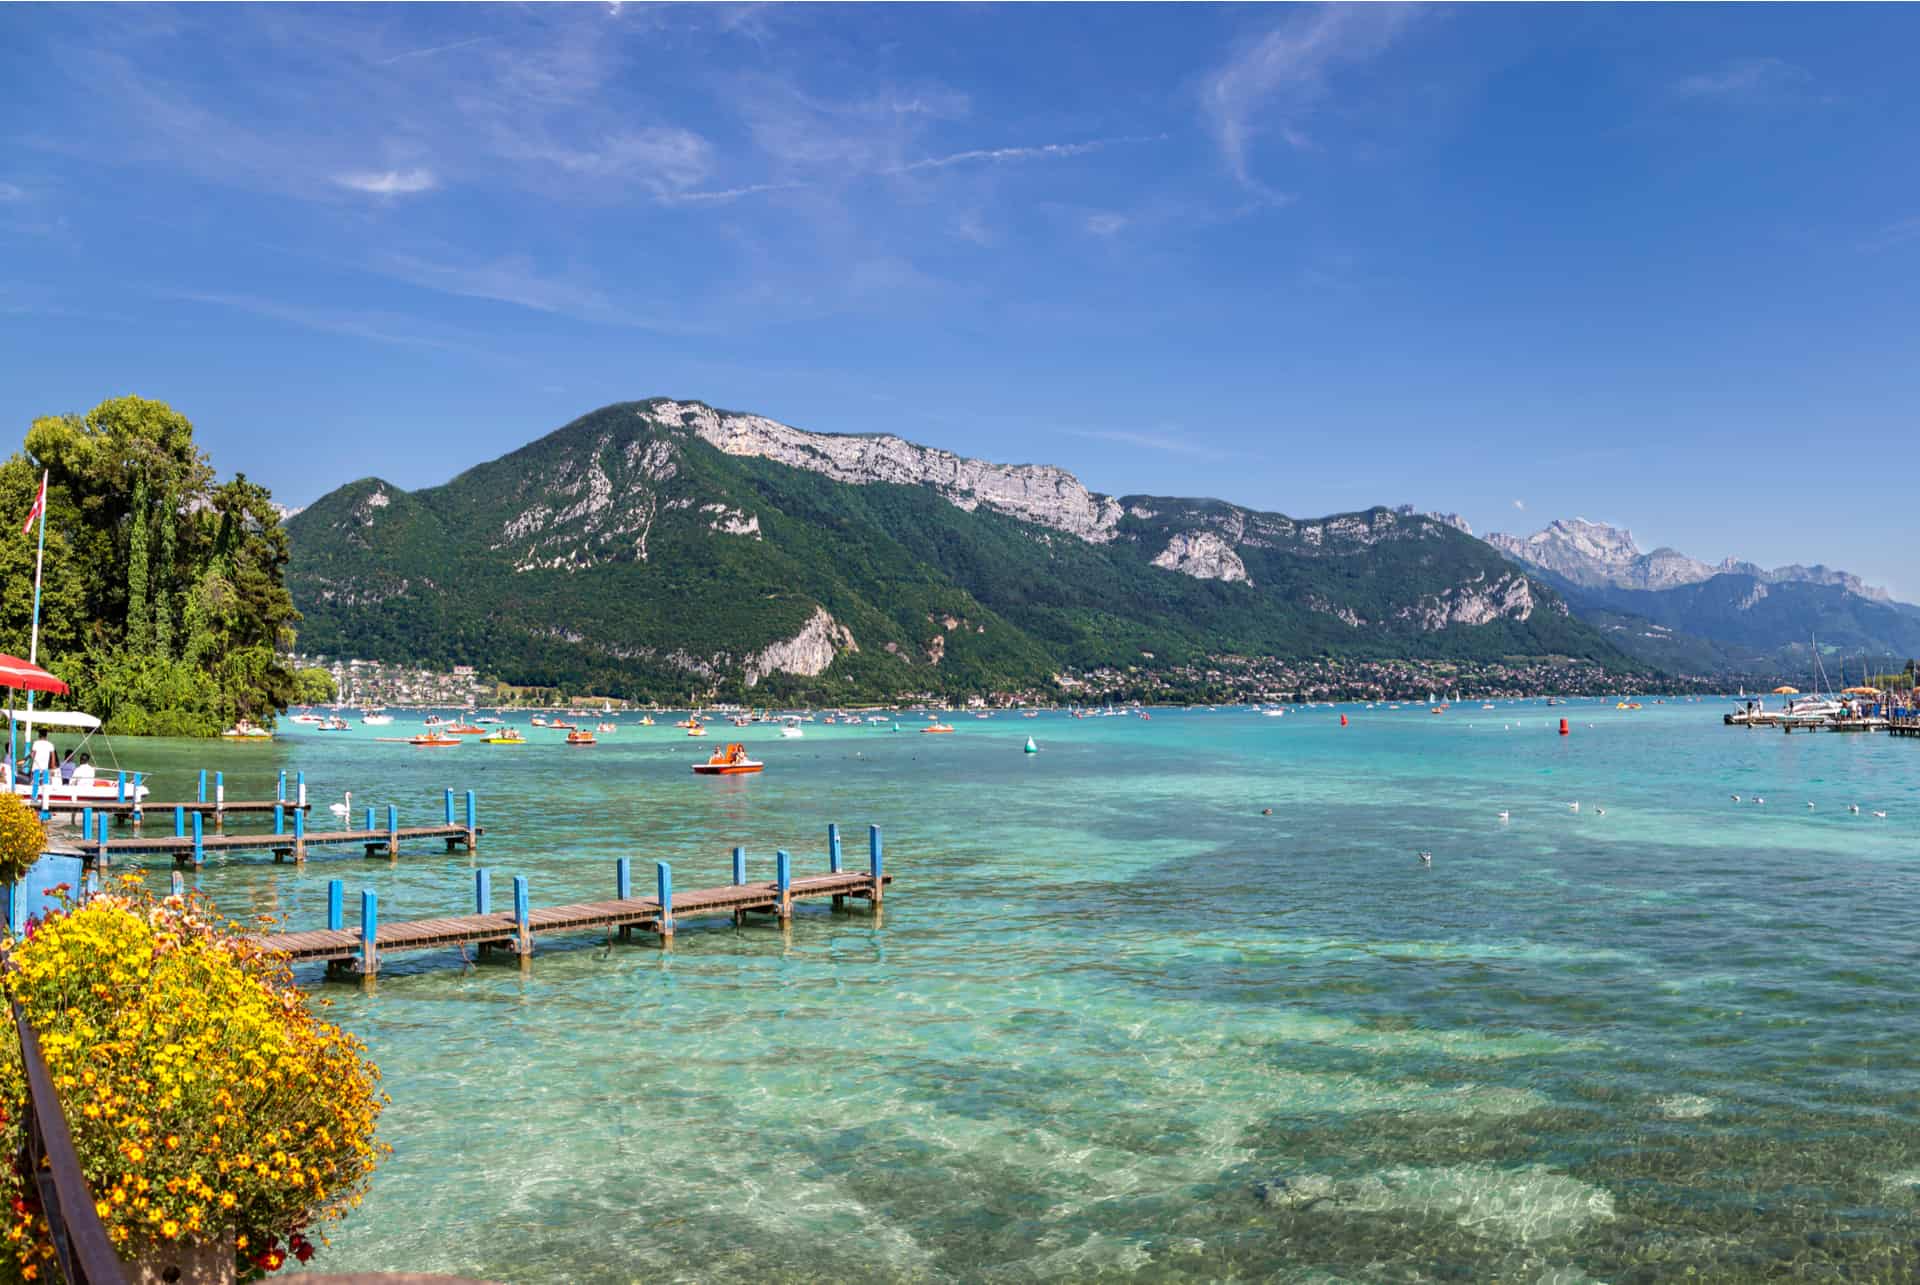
point(1114, 1021)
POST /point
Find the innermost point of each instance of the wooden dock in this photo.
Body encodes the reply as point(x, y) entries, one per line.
point(189, 845)
point(1904, 724)
point(358, 950)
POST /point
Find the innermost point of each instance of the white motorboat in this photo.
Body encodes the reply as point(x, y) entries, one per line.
point(371, 719)
point(86, 783)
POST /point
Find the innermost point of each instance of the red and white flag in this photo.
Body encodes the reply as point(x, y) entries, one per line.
point(39, 507)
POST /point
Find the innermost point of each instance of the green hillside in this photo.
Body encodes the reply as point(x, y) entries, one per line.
point(625, 553)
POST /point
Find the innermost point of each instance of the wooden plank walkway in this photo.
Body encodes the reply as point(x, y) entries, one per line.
point(502, 930)
point(138, 811)
point(358, 950)
point(188, 850)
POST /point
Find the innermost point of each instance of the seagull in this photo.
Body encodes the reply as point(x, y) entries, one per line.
point(1426, 858)
point(1599, 812)
point(1503, 816)
point(1854, 808)
point(1573, 807)
point(344, 808)
point(1881, 815)
point(1758, 799)
point(1809, 805)
point(1736, 798)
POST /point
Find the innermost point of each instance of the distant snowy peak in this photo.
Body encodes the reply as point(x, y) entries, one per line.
point(1596, 554)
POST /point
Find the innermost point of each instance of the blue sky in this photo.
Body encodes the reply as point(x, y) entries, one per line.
point(1643, 264)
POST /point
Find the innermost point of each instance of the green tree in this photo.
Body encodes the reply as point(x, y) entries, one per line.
point(313, 686)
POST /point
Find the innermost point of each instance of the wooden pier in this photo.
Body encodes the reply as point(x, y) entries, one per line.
point(188, 845)
point(1905, 724)
point(358, 950)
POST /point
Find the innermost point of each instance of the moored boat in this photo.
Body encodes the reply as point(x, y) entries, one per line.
point(579, 736)
point(936, 728)
point(434, 740)
point(246, 731)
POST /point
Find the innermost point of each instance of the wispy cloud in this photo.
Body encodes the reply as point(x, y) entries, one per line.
point(1743, 78)
point(377, 327)
point(1169, 440)
point(515, 279)
point(723, 195)
point(1034, 152)
point(1899, 232)
point(1521, 505)
point(1274, 82)
point(389, 182)
point(1106, 223)
point(431, 50)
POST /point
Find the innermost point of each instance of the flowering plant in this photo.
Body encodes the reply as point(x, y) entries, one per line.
point(22, 838)
point(204, 1094)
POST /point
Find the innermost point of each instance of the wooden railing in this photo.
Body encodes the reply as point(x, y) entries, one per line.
point(79, 1239)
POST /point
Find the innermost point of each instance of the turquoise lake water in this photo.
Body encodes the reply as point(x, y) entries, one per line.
point(1115, 1022)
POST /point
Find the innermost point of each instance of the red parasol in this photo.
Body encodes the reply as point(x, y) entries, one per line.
point(21, 676)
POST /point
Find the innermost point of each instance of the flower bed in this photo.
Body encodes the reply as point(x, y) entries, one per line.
point(205, 1096)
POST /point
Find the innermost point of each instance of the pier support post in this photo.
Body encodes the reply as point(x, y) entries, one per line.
point(120, 788)
point(300, 790)
point(280, 795)
point(833, 859)
point(473, 823)
point(336, 905)
point(279, 818)
point(393, 830)
point(86, 824)
point(623, 890)
point(139, 812)
point(219, 800)
point(43, 787)
point(369, 932)
point(739, 878)
point(483, 892)
point(100, 837)
point(663, 877)
point(179, 822)
point(875, 862)
point(783, 882)
point(199, 840)
point(449, 806)
point(523, 931)
point(369, 820)
point(299, 837)
point(178, 883)
point(203, 785)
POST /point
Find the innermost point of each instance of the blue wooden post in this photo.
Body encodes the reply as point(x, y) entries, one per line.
point(449, 806)
point(336, 907)
point(739, 866)
point(663, 876)
point(783, 880)
point(137, 809)
point(833, 848)
point(300, 790)
point(279, 818)
point(199, 852)
point(520, 912)
point(86, 824)
point(369, 819)
point(369, 930)
point(299, 835)
point(623, 879)
point(203, 785)
point(393, 830)
point(120, 788)
point(281, 793)
point(876, 866)
point(483, 892)
point(46, 795)
point(473, 813)
point(179, 822)
point(220, 791)
point(101, 822)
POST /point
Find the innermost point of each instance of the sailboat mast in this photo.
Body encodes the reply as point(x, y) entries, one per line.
point(33, 643)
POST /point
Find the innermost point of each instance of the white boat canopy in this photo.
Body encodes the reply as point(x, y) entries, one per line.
point(54, 718)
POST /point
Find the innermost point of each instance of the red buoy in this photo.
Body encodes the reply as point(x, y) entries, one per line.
point(1563, 727)
point(1343, 720)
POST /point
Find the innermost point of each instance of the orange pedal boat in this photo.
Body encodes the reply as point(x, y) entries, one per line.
point(732, 761)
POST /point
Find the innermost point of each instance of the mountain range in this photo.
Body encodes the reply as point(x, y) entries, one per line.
point(1683, 614)
point(662, 547)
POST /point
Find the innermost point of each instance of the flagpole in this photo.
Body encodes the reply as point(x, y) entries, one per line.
point(33, 644)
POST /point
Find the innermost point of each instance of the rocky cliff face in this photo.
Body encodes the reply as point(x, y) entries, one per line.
point(808, 653)
point(1477, 602)
point(1202, 555)
point(1041, 494)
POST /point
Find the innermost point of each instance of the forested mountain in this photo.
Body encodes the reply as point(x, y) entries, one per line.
point(659, 548)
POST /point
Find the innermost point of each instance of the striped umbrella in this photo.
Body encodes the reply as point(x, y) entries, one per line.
point(22, 676)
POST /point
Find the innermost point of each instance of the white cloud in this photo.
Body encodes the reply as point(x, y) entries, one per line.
point(430, 51)
point(1520, 504)
point(389, 182)
point(1275, 81)
point(1742, 78)
point(1106, 224)
point(1038, 151)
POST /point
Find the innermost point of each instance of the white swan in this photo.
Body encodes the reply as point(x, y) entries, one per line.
point(1503, 816)
point(1881, 815)
point(344, 808)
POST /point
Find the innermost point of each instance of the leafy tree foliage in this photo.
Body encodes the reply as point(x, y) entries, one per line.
point(164, 601)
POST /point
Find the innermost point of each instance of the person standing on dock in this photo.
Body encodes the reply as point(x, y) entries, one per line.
point(43, 752)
